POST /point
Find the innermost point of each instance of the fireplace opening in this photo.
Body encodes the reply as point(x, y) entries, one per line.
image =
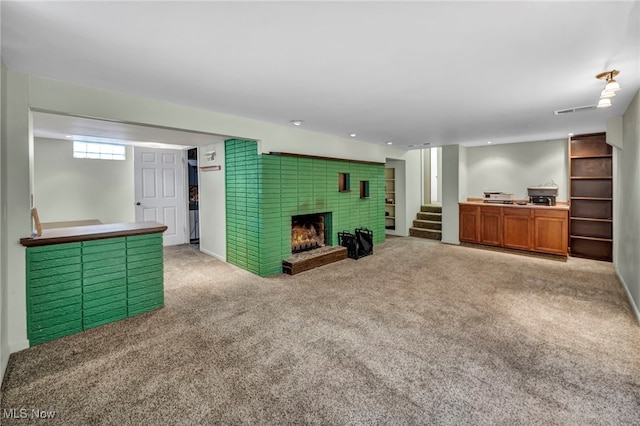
point(308, 232)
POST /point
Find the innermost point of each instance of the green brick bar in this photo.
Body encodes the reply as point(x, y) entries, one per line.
point(108, 273)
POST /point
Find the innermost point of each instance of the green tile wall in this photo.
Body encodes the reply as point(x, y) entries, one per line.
point(264, 191)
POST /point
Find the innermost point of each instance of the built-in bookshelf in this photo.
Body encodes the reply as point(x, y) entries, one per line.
point(390, 198)
point(591, 197)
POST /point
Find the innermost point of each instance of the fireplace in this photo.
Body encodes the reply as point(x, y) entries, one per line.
point(308, 232)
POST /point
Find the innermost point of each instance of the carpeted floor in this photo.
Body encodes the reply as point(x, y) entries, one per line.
point(418, 333)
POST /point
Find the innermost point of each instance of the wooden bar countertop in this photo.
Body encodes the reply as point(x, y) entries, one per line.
point(560, 205)
point(76, 234)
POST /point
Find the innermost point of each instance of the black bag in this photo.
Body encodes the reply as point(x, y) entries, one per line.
point(364, 239)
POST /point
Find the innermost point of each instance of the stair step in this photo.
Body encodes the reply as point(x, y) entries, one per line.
point(436, 217)
point(427, 224)
point(431, 208)
point(431, 234)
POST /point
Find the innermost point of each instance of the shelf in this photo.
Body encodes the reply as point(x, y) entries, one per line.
point(593, 198)
point(389, 192)
point(590, 177)
point(390, 205)
point(390, 180)
point(592, 156)
point(580, 237)
point(592, 219)
point(390, 217)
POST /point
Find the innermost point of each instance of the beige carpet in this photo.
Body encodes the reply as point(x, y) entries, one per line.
point(418, 333)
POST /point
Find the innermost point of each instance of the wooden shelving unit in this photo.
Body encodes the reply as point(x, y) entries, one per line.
point(591, 197)
point(390, 198)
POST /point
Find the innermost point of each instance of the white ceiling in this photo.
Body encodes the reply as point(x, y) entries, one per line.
point(410, 72)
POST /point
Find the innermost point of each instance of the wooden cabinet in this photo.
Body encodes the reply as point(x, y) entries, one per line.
point(540, 229)
point(550, 231)
point(469, 223)
point(517, 228)
point(591, 196)
point(491, 225)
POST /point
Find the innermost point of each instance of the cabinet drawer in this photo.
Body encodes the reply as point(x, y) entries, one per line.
point(551, 213)
point(514, 211)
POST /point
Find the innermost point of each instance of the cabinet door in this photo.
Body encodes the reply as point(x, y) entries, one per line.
point(551, 231)
point(517, 228)
point(491, 225)
point(469, 223)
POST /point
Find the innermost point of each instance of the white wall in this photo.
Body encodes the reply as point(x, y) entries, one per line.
point(450, 193)
point(4, 345)
point(627, 211)
point(55, 96)
point(211, 192)
point(513, 167)
point(67, 188)
point(16, 207)
point(413, 187)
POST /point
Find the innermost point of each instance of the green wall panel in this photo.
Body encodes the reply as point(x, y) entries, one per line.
point(264, 191)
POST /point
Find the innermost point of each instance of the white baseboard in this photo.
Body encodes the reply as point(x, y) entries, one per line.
point(631, 301)
point(212, 254)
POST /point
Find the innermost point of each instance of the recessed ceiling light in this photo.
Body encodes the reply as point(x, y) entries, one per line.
point(296, 122)
point(68, 136)
point(570, 134)
point(353, 135)
point(389, 143)
point(489, 142)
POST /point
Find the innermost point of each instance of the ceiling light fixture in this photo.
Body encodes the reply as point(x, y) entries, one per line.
point(488, 141)
point(297, 122)
point(353, 135)
point(610, 88)
point(389, 143)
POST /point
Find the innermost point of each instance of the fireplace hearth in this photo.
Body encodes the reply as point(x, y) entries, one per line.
point(307, 232)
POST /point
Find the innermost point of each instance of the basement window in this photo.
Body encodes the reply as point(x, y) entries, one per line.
point(99, 151)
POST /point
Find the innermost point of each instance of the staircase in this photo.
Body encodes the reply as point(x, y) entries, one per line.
point(428, 223)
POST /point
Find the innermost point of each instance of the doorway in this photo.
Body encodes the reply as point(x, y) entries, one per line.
point(431, 172)
point(194, 210)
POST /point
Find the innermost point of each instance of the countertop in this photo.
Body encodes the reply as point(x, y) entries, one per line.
point(75, 234)
point(479, 202)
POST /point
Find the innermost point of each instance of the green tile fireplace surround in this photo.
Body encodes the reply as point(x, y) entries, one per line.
point(263, 192)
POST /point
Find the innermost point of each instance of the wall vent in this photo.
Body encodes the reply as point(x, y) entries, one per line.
point(574, 109)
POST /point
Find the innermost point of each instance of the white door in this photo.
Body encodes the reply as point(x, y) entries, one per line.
point(160, 191)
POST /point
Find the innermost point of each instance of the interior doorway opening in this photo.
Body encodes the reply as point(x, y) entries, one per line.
point(431, 173)
point(192, 178)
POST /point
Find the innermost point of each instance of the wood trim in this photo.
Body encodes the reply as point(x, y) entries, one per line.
point(317, 157)
point(92, 232)
point(36, 221)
